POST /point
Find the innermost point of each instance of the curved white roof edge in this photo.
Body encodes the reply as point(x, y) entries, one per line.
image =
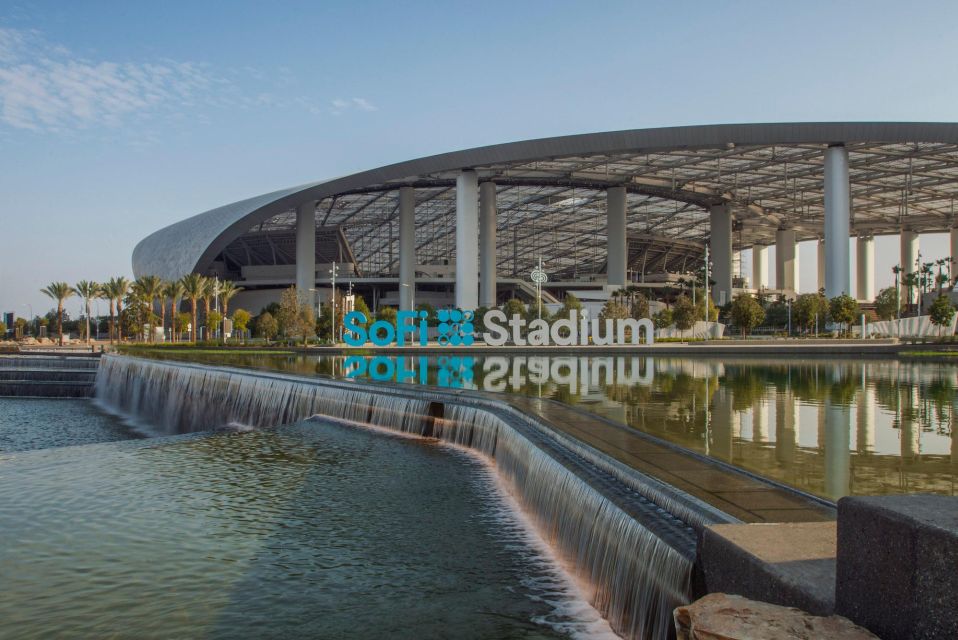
point(184, 246)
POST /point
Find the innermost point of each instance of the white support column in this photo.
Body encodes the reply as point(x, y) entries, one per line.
point(487, 244)
point(306, 252)
point(821, 263)
point(407, 248)
point(909, 254)
point(720, 243)
point(837, 221)
point(618, 243)
point(759, 266)
point(865, 272)
point(786, 260)
point(467, 240)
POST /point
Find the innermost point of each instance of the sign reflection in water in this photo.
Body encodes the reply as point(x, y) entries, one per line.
point(833, 428)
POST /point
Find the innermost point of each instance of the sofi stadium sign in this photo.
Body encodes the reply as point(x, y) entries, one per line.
point(456, 328)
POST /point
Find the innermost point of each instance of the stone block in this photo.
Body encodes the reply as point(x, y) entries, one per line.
point(897, 567)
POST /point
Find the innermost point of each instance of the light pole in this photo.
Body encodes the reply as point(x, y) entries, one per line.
point(412, 294)
point(332, 274)
point(539, 277)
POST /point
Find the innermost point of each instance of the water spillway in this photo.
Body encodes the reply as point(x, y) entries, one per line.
point(620, 539)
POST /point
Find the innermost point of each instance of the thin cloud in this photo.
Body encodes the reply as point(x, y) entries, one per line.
point(340, 105)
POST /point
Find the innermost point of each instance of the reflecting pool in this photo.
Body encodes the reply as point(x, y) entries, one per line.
point(312, 530)
point(829, 427)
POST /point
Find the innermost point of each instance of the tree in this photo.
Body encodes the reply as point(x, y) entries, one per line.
point(700, 302)
point(662, 319)
point(640, 307)
point(3, 330)
point(266, 326)
point(241, 319)
point(809, 309)
point(613, 310)
point(941, 312)
point(212, 321)
point(87, 289)
point(115, 290)
point(59, 291)
point(387, 314)
point(844, 310)
point(149, 289)
point(173, 291)
point(194, 286)
point(683, 313)
point(20, 327)
point(747, 313)
point(210, 292)
point(181, 322)
point(887, 303)
point(514, 306)
point(570, 303)
point(288, 316)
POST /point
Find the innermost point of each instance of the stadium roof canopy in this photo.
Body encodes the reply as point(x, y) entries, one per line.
point(551, 198)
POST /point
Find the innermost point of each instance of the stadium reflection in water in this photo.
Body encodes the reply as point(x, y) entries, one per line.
point(833, 428)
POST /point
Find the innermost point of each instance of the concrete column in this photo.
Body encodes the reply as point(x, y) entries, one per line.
point(467, 240)
point(759, 266)
point(821, 263)
point(618, 244)
point(909, 254)
point(786, 260)
point(866, 268)
point(720, 244)
point(487, 244)
point(306, 252)
point(407, 248)
point(837, 221)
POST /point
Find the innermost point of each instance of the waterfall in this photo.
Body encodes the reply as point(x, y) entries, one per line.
point(633, 558)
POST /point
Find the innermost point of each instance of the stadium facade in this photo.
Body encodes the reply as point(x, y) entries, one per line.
point(600, 210)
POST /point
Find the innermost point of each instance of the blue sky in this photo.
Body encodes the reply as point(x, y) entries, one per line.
point(118, 118)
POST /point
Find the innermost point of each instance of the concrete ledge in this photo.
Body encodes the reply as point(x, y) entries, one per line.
point(789, 564)
point(897, 570)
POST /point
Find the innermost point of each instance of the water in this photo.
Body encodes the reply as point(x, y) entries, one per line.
point(632, 559)
point(313, 530)
point(38, 423)
point(829, 427)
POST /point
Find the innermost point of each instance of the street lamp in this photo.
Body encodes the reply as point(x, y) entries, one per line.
point(332, 273)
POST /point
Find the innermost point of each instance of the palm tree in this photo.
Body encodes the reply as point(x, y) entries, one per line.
point(194, 288)
point(87, 289)
point(150, 288)
point(106, 292)
point(228, 290)
point(174, 291)
point(119, 287)
point(59, 291)
point(210, 292)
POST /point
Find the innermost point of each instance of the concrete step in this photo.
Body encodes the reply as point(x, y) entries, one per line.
point(35, 389)
point(48, 375)
point(48, 362)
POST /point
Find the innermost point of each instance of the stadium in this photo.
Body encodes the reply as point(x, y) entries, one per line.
point(601, 211)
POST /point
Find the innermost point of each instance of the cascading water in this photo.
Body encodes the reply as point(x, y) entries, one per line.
point(631, 556)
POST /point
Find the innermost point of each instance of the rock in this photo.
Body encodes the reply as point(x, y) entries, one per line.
point(718, 616)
